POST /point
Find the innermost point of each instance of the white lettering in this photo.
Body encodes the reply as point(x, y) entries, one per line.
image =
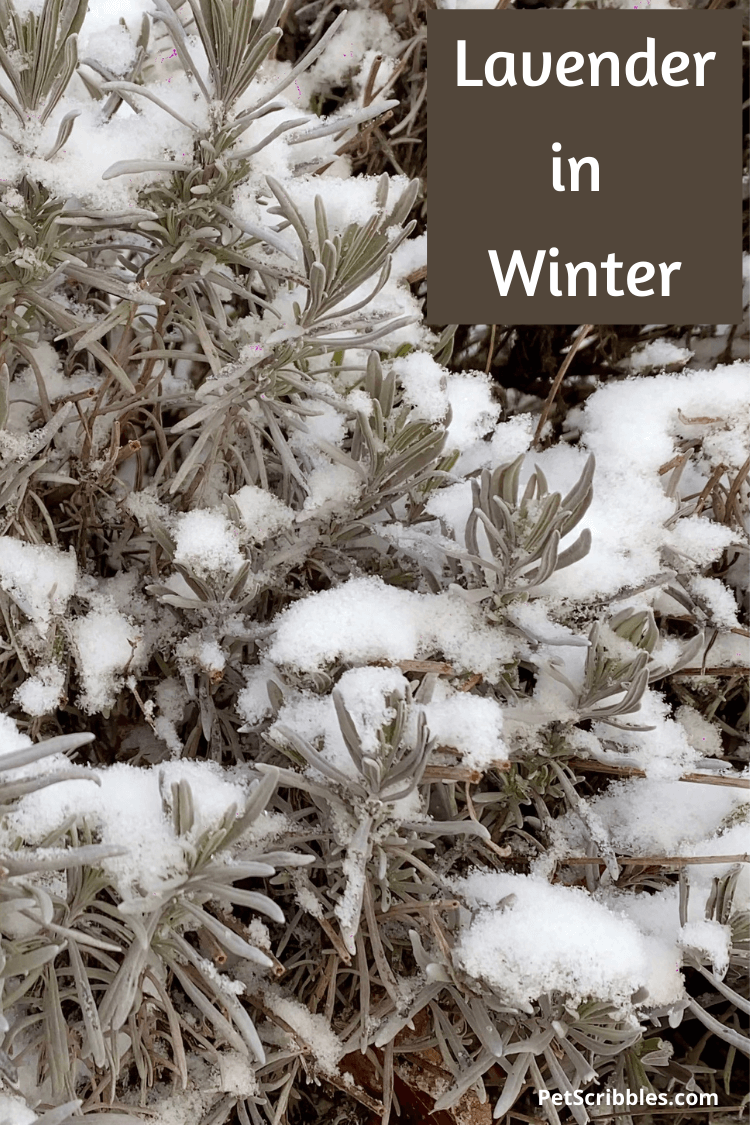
point(665, 272)
point(509, 77)
point(668, 68)
point(564, 68)
point(637, 275)
point(462, 80)
point(575, 168)
point(517, 262)
point(648, 55)
point(700, 62)
point(614, 63)
point(546, 68)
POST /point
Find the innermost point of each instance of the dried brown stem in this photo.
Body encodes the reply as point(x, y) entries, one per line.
point(634, 771)
point(558, 380)
point(659, 860)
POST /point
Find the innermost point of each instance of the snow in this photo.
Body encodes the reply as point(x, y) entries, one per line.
point(183, 1107)
point(207, 543)
point(41, 693)
point(699, 541)
point(104, 17)
point(546, 938)
point(630, 509)
point(237, 1076)
point(728, 840)
point(362, 30)
point(363, 691)
point(40, 579)
point(14, 1111)
point(655, 914)
point(467, 5)
point(113, 48)
point(107, 644)
point(26, 7)
point(253, 702)
point(209, 656)
point(711, 939)
point(402, 625)
point(410, 256)
point(475, 411)
point(346, 201)
point(424, 385)
point(470, 724)
point(170, 696)
point(658, 817)
point(719, 600)
point(700, 733)
point(313, 1031)
point(126, 811)
point(306, 898)
point(630, 514)
point(326, 424)
point(258, 934)
point(263, 514)
point(93, 146)
point(10, 737)
point(730, 649)
point(332, 486)
point(24, 389)
point(657, 354)
point(664, 752)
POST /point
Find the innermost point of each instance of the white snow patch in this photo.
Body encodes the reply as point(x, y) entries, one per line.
point(126, 810)
point(253, 703)
point(263, 514)
point(654, 817)
point(41, 693)
point(700, 733)
point(470, 724)
point(14, 1111)
point(630, 508)
point(553, 938)
point(313, 1031)
point(364, 621)
point(719, 599)
point(40, 579)
point(657, 353)
point(207, 543)
point(424, 385)
point(710, 938)
point(107, 645)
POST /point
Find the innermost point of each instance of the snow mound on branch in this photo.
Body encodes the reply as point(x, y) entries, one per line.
point(262, 513)
point(630, 506)
point(710, 938)
point(646, 816)
point(41, 693)
point(636, 429)
point(40, 579)
point(657, 353)
point(365, 621)
point(471, 724)
point(126, 810)
point(529, 938)
point(107, 645)
point(207, 543)
point(14, 1111)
